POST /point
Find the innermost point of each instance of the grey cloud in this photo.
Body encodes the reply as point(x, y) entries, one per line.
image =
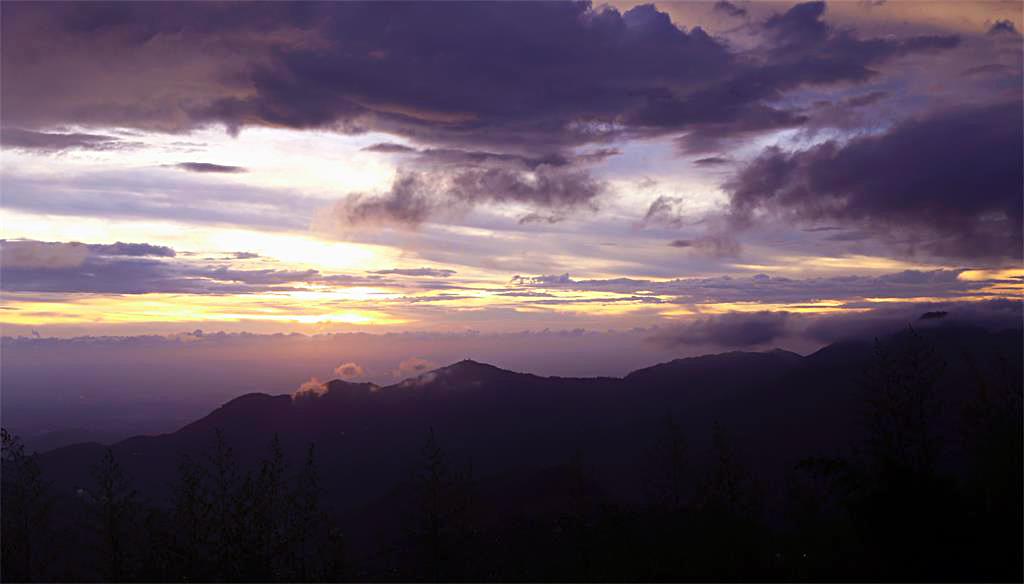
point(751, 329)
point(530, 218)
point(732, 329)
point(1003, 27)
point(665, 211)
point(208, 167)
point(415, 195)
point(993, 314)
point(939, 283)
point(131, 249)
point(140, 268)
point(153, 194)
point(389, 148)
point(958, 198)
point(711, 160)
point(542, 280)
point(716, 245)
point(513, 77)
point(430, 272)
point(30, 254)
point(58, 142)
point(729, 9)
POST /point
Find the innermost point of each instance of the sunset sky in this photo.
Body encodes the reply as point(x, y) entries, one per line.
point(719, 174)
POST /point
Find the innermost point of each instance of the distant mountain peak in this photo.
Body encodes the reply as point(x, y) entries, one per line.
point(465, 373)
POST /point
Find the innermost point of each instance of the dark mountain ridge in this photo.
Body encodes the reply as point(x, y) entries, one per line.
point(556, 466)
point(778, 407)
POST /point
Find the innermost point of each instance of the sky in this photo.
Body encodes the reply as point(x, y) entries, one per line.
point(692, 176)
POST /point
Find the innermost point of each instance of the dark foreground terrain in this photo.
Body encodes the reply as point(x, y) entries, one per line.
point(895, 459)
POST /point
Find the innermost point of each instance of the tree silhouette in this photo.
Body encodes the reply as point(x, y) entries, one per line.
point(994, 442)
point(26, 505)
point(442, 510)
point(669, 479)
point(192, 510)
point(900, 388)
point(266, 535)
point(227, 508)
point(115, 501)
point(307, 518)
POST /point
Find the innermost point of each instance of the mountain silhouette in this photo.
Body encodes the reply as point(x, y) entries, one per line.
point(779, 407)
point(555, 466)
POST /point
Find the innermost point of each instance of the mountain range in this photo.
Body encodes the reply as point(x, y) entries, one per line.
point(776, 408)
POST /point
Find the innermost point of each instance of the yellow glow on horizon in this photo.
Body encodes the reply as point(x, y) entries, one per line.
point(170, 308)
point(978, 275)
point(819, 306)
point(805, 264)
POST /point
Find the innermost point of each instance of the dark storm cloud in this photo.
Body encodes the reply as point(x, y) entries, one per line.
point(801, 49)
point(732, 329)
point(949, 184)
point(527, 78)
point(208, 167)
point(58, 142)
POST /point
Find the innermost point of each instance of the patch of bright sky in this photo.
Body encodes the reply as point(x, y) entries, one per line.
point(294, 250)
point(318, 163)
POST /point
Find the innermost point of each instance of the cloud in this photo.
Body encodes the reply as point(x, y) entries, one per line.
point(429, 272)
point(21, 253)
point(415, 195)
point(732, 329)
point(390, 148)
point(939, 283)
point(711, 161)
point(959, 198)
point(130, 249)
point(541, 280)
point(1001, 27)
point(414, 366)
point(531, 218)
point(729, 9)
point(349, 371)
point(312, 387)
point(716, 245)
point(158, 194)
point(996, 314)
point(753, 329)
point(142, 268)
point(513, 78)
point(207, 167)
point(666, 211)
point(59, 142)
